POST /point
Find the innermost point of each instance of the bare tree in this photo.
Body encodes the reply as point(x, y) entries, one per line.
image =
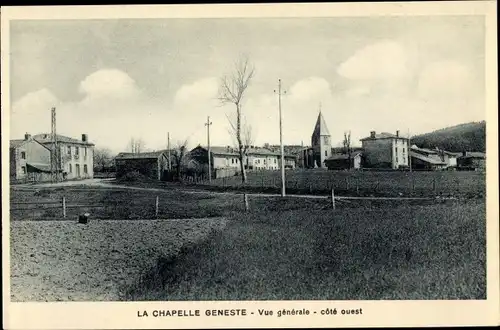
point(102, 158)
point(136, 145)
point(232, 89)
point(179, 154)
point(247, 137)
point(347, 146)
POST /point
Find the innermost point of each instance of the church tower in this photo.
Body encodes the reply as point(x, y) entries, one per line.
point(321, 142)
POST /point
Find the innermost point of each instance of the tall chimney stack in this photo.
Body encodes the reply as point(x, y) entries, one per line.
point(397, 133)
point(372, 134)
point(85, 138)
point(27, 136)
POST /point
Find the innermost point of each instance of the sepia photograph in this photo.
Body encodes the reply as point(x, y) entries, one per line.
point(205, 159)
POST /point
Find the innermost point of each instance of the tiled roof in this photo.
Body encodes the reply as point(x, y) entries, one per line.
point(142, 155)
point(343, 156)
point(383, 135)
point(46, 138)
point(474, 154)
point(40, 167)
point(426, 159)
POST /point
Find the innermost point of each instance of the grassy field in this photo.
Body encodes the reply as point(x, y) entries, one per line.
point(364, 183)
point(284, 248)
point(405, 252)
point(104, 203)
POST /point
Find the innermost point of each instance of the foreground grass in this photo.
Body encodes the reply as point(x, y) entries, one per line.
point(65, 261)
point(404, 252)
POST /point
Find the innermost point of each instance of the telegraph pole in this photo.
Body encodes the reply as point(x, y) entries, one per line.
point(409, 150)
point(208, 123)
point(281, 141)
point(168, 148)
point(54, 161)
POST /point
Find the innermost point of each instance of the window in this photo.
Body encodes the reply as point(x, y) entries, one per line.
point(326, 140)
point(77, 151)
point(232, 160)
point(70, 168)
point(236, 160)
point(69, 152)
point(326, 153)
point(85, 169)
point(275, 160)
point(23, 155)
point(24, 169)
point(264, 162)
point(85, 152)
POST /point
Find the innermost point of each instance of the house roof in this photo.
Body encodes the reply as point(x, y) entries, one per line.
point(342, 156)
point(320, 128)
point(40, 167)
point(228, 151)
point(141, 155)
point(46, 138)
point(383, 135)
point(474, 154)
point(426, 159)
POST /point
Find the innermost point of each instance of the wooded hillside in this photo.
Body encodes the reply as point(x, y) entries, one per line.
point(463, 137)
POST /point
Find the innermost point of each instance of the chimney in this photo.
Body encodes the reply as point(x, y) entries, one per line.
point(85, 138)
point(372, 134)
point(27, 136)
point(464, 153)
point(397, 133)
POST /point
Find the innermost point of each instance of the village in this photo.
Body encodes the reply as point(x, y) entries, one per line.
point(247, 160)
point(30, 158)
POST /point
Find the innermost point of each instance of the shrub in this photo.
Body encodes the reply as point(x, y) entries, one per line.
point(133, 176)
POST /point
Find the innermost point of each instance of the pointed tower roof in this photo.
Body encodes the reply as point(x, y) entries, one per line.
point(320, 128)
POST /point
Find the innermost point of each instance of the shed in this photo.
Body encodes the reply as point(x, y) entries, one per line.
point(149, 164)
point(340, 161)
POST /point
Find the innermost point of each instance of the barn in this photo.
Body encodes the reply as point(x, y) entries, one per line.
point(149, 164)
point(340, 161)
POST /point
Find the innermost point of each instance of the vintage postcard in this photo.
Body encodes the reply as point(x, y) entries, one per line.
point(249, 166)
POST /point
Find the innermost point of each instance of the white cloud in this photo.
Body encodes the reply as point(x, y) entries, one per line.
point(383, 60)
point(311, 89)
point(109, 83)
point(32, 113)
point(204, 89)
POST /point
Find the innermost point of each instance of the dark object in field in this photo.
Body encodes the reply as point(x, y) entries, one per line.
point(83, 218)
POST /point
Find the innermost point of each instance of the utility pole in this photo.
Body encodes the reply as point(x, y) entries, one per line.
point(409, 150)
point(208, 123)
point(281, 141)
point(54, 161)
point(169, 155)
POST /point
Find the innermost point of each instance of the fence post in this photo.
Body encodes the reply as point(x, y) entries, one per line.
point(347, 183)
point(412, 184)
point(310, 188)
point(64, 206)
point(333, 199)
point(357, 186)
point(245, 199)
point(434, 185)
point(156, 206)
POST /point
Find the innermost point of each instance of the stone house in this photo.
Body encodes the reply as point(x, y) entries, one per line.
point(472, 161)
point(76, 156)
point(30, 158)
point(385, 150)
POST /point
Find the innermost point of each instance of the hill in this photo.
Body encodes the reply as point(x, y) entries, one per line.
point(463, 137)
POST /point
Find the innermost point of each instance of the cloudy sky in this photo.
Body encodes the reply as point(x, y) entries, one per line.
point(117, 79)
